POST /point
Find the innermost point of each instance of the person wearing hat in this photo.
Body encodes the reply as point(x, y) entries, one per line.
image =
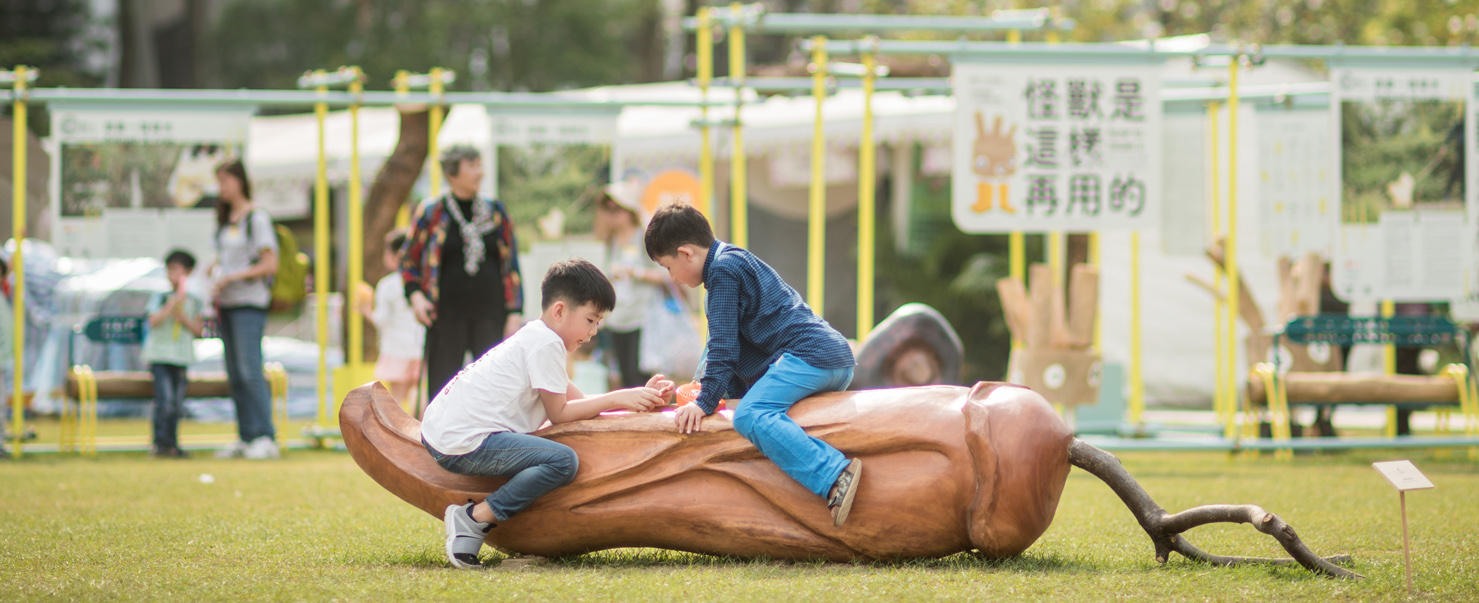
point(637, 279)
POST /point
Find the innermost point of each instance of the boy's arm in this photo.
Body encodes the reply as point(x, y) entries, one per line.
point(192, 320)
point(723, 312)
point(562, 408)
point(159, 310)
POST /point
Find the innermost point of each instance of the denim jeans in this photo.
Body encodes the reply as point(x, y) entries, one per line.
point(169, 403)
point(536, 466)
point(761, 418)
point(241, 339)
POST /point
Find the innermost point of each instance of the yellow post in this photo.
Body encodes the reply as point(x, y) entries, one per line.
point(1054, 243)
point(355, 355)
point(739, 219)
point(1017, 259)
point(816, 250)
point(434, 131)
point(1389, 366)
point(17, 262)
point(1230, 250)
point(321, 286)
point(1220, 404)
point(866, 206)
point(1137, 385)
point(705, 44)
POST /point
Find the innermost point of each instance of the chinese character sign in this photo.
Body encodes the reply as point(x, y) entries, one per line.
point(1406, 198)
point(1294, 178)
point(1055, 147)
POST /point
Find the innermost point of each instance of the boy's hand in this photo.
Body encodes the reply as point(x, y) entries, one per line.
point(637, 399)
point(689, 418)
point(662, 384)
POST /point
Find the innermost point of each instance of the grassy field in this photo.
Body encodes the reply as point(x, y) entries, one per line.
point(312, 526)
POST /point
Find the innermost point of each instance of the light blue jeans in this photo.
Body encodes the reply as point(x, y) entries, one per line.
point(241, 341)
point(761, 418)
point(534, 464)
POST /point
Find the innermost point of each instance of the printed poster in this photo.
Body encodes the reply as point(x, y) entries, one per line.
point(1404, 224)
point(1294, 182)
point(1056, 147)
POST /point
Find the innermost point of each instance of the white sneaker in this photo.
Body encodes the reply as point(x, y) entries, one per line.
point(234, 451)
point(262, 448)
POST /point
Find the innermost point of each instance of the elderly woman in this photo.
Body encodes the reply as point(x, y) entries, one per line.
point(461, 270)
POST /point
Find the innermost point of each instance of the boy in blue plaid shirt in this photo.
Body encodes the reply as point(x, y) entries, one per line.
point(766, 346)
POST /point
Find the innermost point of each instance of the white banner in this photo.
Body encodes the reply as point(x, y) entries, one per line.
point(1294, 179)
point(132, 182)
point(1056, 147)
point(524, 129)
point(1406, 197)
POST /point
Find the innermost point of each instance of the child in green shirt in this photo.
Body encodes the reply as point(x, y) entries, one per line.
point(169, 347)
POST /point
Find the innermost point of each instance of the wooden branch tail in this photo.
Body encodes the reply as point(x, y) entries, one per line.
point(1165, 529)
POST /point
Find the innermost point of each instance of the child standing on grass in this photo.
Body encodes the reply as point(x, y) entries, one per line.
point(401, 337)
point(479, 423)
point(169, 347)
point(765, 345)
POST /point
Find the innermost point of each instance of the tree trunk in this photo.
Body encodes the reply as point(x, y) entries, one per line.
point(1165, 529)
point(390, 190)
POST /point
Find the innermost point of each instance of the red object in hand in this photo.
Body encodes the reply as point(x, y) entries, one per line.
point(688, 392)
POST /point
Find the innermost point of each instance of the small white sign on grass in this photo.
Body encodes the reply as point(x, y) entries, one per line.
point(1404, 476)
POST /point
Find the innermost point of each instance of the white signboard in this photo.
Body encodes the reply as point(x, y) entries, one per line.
point(1056, 147)
point(138, 182)
point(1405, 197)
point(1403, 475)
point(1294, 182)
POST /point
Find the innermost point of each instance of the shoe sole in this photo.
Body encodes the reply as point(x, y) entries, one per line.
point(450, 523)
point(856, 467)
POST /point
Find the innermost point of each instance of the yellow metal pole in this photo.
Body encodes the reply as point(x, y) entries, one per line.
point(1230, 248)
point(1017, 259)
point(356, 355)
point(816, 250)
point(1137, 385)
point(435, 130)
point(17, 262)
point(705, 44)
point(739, 218)
point(1220, 404)
point(321, 286)
point(866, 205)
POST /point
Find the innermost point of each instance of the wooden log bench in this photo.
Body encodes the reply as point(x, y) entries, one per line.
point(1268, 387)
point(85, 386)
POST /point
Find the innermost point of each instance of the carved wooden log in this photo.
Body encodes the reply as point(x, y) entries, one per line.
point(140, 384)
point(948, 469)
point(1358, 388)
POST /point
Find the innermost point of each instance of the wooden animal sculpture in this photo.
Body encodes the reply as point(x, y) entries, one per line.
point(950, 469)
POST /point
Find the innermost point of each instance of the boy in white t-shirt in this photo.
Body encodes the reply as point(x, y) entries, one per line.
point(478, 424)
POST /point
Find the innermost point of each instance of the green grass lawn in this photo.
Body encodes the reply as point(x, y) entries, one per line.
point(312, 526)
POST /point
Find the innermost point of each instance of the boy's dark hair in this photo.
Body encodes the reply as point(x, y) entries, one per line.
point(674, 226)
point(395, 240)
point(577, 282)
point(181, 257)
point(454, 155)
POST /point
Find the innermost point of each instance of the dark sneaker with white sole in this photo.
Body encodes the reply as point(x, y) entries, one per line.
point(464, 536)
point(843, 492)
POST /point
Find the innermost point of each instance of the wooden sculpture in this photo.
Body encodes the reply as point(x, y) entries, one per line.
point(950, 469)
point(1055, 357)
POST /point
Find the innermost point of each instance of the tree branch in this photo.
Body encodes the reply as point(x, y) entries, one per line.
point(1165, 529)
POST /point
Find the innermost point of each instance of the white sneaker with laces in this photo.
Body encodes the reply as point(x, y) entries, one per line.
point(262, 448)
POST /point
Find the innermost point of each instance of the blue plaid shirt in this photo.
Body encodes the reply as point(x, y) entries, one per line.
point(754, 317)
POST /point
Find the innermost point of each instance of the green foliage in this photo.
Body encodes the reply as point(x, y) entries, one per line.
point(313, 527)
point(491, 44)
point(539, 178)
point(1386, 139)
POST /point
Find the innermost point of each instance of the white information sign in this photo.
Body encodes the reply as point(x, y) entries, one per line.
point(1294, 182)
point(1406, 199)
point(1056, 147)
point(1403, 475)
point(138, 182)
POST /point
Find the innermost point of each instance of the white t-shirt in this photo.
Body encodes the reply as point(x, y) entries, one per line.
point(400, 335)
point(498, 392)
point(632, 295)
point(236, 253)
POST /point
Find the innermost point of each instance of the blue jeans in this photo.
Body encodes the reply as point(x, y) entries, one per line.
point(761, 418)
point(536, 466)
point(169, 403)
point(241, 340)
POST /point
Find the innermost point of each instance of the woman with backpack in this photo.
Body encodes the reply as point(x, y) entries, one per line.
point(246, 260)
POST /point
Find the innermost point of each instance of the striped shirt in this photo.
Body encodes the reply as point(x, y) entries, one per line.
point(754, 317)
